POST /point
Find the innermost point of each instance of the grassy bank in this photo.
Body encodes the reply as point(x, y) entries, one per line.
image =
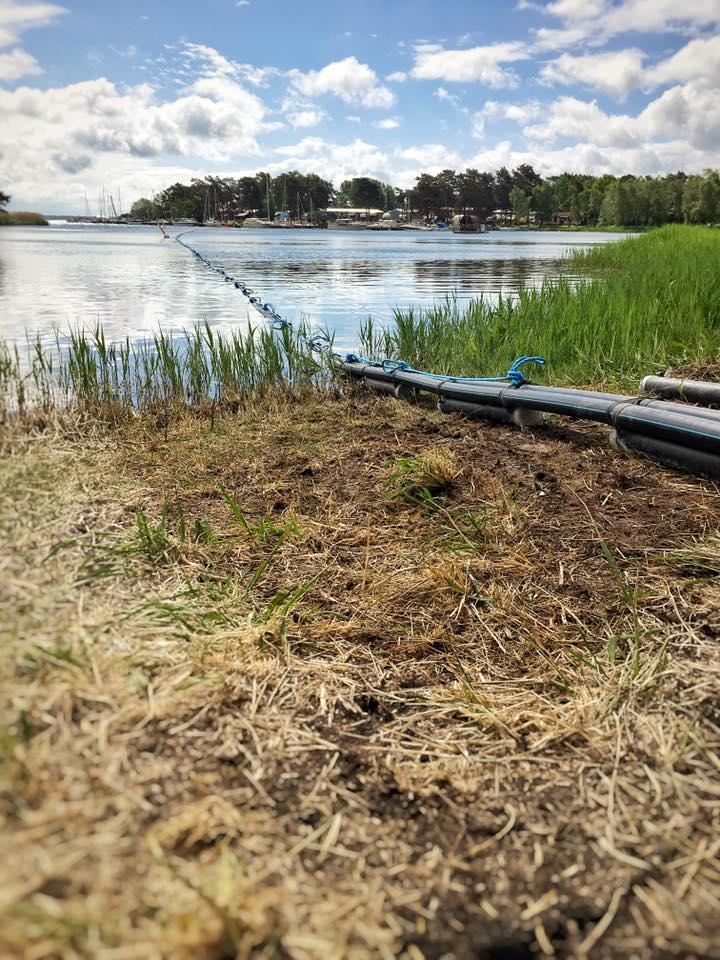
point(651, 301)
point(21, 218)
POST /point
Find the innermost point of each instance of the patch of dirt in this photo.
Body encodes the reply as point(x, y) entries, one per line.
point(702, 370)
point(310, 711)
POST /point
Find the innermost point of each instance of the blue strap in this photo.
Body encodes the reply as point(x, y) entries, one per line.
point(514, 375)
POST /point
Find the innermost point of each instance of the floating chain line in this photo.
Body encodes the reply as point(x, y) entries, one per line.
point(320, 342)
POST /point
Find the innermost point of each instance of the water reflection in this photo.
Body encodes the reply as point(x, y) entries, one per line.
point(133, 282)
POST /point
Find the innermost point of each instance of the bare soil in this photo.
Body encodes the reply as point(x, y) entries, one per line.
point(381, 683)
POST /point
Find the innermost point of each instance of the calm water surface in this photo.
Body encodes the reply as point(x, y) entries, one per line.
point(134, 282)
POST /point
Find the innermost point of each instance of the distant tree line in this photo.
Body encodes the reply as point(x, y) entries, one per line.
point(520, 194)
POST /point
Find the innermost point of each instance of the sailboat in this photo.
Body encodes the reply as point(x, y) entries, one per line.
point(282, 217)
point(208, 219)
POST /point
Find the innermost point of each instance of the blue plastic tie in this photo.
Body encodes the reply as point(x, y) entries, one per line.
point(514, 376)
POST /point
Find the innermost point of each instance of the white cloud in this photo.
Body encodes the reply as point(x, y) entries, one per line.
point(688, 114)
point(616, 72)
point(333, 161)
point(127, 53)
point(430, 157)
point(215, 116)
point(93, 132)
point(306, 118)
point(18, 63)
point(569, 118)
point(596, 21)
point(588, 157)
point(212, 63)
point(16, 18)
point(389, 123)
point(521, 113)
point(697, 60)
point(477, 129)
point(399, 76)
point(480, 64)
point(348, 79)
point(442, 94)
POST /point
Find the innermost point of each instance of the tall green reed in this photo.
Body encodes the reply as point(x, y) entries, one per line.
point(197, 367)
point(647, 302)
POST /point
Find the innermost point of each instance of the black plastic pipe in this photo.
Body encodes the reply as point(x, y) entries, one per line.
point(564, 400)
point(518, 416)
point(668, 454)
point(694, 391)
point(673, 433)
point(674, 422)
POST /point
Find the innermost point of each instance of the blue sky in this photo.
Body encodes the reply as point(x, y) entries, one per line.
point(132, 96)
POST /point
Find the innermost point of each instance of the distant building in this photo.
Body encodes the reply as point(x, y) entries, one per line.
point(358, 214)
point(563, 218)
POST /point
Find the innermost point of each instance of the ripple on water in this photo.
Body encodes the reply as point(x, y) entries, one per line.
point(133, 282)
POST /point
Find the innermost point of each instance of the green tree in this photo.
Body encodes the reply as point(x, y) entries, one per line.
point(525, 178)
point(4, 199)
point(427, 194)
point(144, 209)
point(447, 184)
point(475, 191)
point(390, 197)
point(701, 198)
point(250, 196)
point(519, 203)
point(503, 185)
point(544, 202)
point(343, 194)
point(366, 192)
point(183, 200)
point(318, 193)
point(619, 204)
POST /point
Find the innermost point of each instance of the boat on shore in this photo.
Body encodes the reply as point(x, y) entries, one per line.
point(467, 223)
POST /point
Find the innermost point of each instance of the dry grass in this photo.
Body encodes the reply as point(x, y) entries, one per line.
point(257, 707)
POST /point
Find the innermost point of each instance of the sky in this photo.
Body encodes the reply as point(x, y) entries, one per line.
point(131, 96)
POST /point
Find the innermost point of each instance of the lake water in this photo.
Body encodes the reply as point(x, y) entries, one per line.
point(133, 282)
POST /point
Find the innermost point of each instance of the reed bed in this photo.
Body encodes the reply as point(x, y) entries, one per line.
point(21, 218)
point(195, 368)
point(649, 302)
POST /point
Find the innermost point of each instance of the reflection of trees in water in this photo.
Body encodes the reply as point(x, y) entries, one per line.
point(318, 270)
point(469, 274)
point(463, 274)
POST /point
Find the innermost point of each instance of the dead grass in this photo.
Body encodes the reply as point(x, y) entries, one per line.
point(258, 708)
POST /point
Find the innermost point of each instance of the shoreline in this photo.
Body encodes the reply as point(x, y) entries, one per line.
point(22, 218)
